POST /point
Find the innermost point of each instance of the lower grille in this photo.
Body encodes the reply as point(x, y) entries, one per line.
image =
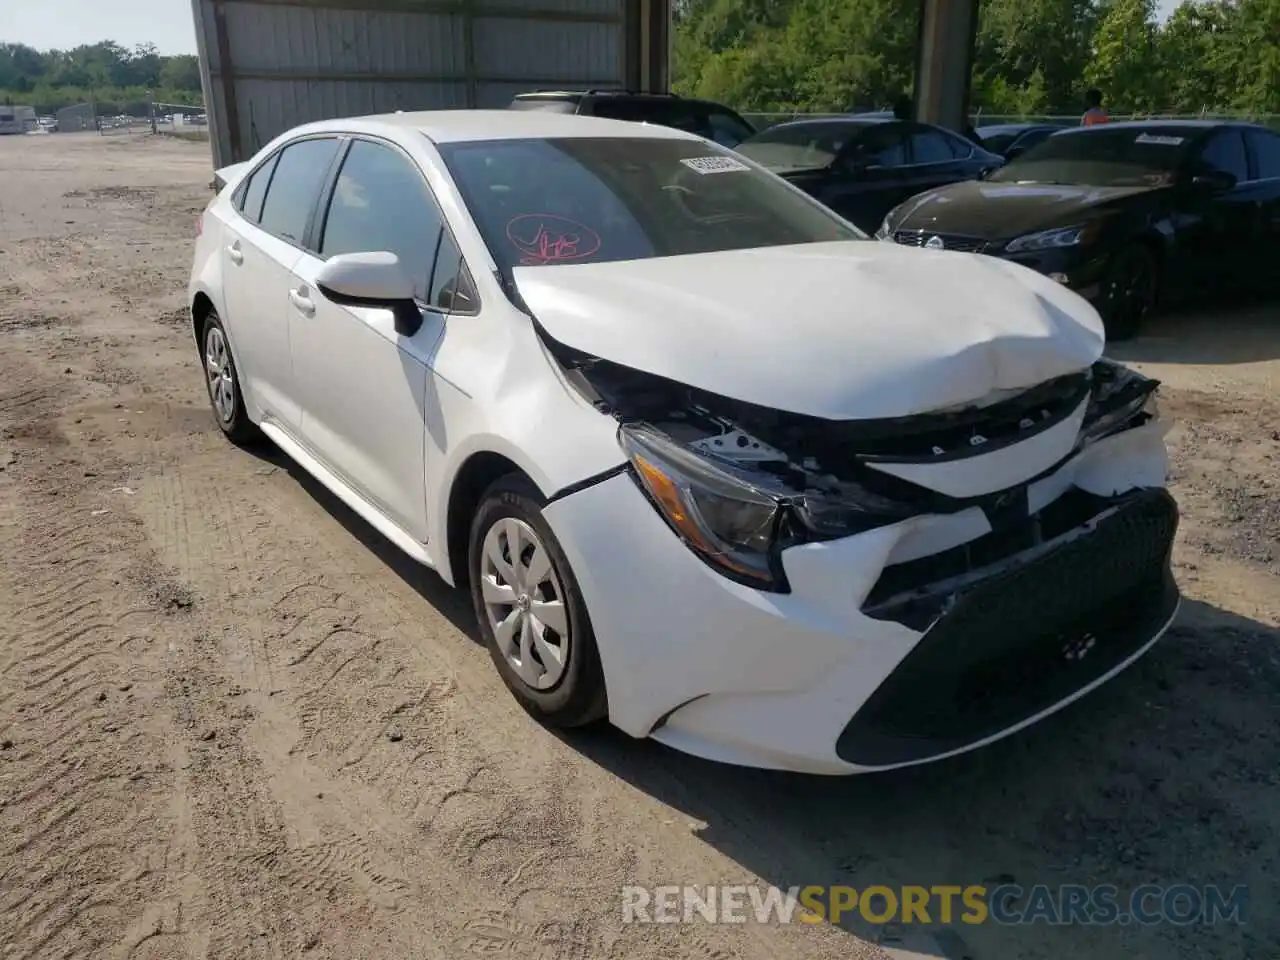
point(949, 241)
point(1019, 641)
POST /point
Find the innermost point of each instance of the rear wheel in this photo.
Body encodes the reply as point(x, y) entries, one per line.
point(531, 612)
point(224, 384)
point(1129, 291)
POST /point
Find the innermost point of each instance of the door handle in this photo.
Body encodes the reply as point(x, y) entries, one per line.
point(301, 301)
point(235, 253)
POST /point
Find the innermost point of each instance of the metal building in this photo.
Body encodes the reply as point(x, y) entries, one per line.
point(268, 65)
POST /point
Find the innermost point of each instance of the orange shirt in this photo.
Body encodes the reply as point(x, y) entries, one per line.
point(1094, 115)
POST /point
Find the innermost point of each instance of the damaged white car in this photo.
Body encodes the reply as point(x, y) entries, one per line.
point(712, 465)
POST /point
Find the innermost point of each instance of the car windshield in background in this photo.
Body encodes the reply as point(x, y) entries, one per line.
point(808, 146)
point(591, 200)
point(1102, 157)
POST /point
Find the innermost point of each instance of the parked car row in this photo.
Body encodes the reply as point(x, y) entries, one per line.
point(1129, 215)
point(712, 463)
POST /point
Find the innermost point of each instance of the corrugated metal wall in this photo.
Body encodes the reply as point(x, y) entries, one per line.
point(271, 64)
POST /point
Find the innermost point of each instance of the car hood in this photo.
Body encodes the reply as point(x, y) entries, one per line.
point(997, 211)
point(848, 330)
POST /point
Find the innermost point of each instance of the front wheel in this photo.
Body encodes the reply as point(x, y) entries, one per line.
point(1129, 291)
point(531, 612)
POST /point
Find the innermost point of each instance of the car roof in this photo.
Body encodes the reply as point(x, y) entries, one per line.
point(648, 94)
point(454, 126)
point(1188, 127)
point(861, 120)
point(1018, 127)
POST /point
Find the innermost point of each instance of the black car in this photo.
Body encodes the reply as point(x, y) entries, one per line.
point(1011, 139)
point(1125, 214)
point(706, 118)
point(862, 167)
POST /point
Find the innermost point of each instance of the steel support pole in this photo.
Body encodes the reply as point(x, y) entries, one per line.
point(944, 61)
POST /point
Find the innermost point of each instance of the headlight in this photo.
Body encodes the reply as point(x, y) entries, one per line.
point(1053, 239)
point(1121, 397)
point(738, 521)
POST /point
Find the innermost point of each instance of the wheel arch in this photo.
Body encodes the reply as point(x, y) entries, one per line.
point(201, 307)
point(476, 474)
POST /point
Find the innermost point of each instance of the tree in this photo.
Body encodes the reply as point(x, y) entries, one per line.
point(1124, 65)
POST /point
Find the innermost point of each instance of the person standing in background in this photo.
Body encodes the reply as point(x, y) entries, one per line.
point(1094, 114)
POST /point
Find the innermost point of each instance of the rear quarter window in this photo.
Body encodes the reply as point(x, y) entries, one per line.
point(549, 105)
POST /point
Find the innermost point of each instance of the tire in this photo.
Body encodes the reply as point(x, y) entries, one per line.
point(1129, 291)
point(564, 692)
point(223, 383)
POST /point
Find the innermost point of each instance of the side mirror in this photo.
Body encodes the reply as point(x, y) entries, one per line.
point(1214, 181)
point(372, 280)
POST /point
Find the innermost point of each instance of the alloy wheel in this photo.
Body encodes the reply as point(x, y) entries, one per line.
point(217, 365)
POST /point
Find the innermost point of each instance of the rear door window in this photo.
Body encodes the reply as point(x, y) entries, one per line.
point(883, 145)
point(930, 146)
point(295, 187)
point(1224, 153)
point(1266, 154)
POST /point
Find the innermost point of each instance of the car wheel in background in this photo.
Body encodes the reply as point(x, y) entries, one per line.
point(531, 612)
point(223, 383)
point(1129, 290)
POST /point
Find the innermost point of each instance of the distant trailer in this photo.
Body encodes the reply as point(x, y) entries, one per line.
point(269, 65)
point(17, 119)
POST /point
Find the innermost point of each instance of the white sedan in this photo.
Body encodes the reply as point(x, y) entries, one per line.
point(711, 464)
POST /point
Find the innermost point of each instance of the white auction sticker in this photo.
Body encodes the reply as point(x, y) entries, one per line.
point(714, 164)
point(1162, 141)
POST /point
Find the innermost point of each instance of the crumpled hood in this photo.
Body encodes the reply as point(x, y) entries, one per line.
point(848, 330)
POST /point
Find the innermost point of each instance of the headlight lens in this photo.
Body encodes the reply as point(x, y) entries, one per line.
point(727, 517)
point(1119, 396)
point(738, 521)
point(1053, 239)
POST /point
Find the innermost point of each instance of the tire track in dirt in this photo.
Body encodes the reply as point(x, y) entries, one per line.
point(383, 706)
point(76, 775)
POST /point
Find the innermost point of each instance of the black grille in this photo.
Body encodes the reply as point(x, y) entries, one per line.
point(1016, 642)
point(950, 241)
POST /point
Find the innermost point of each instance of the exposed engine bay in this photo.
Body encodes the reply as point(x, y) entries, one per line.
point(822, 478)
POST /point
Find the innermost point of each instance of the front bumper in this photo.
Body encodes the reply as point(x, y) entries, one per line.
point(854, 670)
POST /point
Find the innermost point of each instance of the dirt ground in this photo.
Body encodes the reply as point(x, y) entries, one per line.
point(234, 723)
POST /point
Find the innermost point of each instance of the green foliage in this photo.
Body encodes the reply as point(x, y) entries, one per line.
point(118, 80)
point(1032, 57)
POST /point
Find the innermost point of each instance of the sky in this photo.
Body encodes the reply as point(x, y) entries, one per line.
point(61, 24)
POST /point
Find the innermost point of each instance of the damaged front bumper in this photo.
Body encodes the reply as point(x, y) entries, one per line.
point(894, 646)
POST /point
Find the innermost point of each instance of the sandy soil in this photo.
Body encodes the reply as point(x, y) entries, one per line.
point(233, 723)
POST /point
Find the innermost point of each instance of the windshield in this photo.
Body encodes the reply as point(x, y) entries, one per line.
point(593, 200)
point(1102, 157)
point(806, 146)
